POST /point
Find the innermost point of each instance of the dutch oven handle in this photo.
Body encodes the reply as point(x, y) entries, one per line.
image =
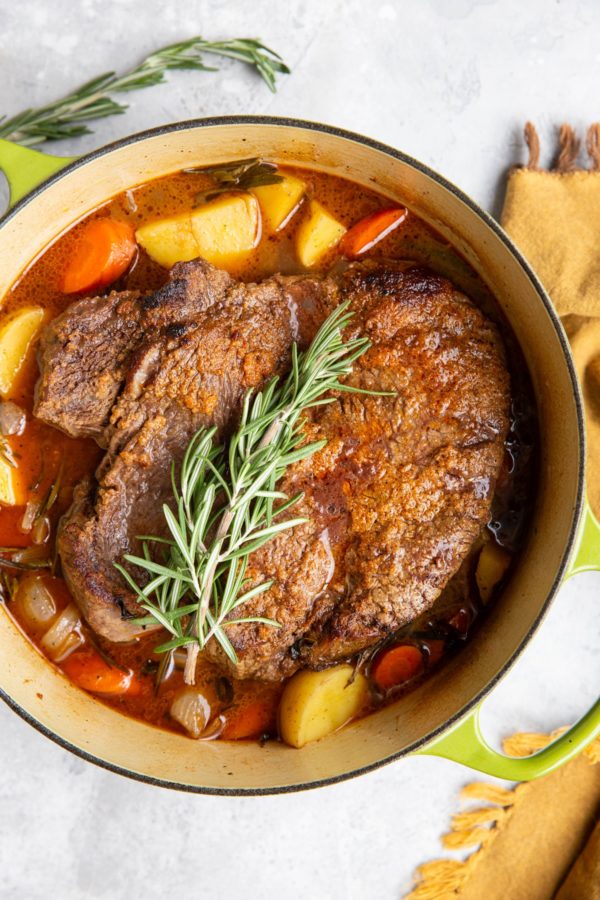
point(465, 743)
point(25, 169)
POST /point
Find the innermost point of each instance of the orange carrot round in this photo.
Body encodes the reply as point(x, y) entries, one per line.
point(370, 230)
point(395, 665)
point(249, 720)
point(104, 251)
point(89, 671)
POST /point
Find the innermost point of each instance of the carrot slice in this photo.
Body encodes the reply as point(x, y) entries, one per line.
point(396, 665)
point(104, 251)
point(370, 230)
point(89, 671)
point(250, 720)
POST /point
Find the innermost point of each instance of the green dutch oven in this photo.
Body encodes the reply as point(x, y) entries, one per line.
point(441, 717)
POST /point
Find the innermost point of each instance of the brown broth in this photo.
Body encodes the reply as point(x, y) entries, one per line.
point(43, 452)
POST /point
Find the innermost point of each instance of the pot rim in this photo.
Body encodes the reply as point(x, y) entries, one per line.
point(570, 544)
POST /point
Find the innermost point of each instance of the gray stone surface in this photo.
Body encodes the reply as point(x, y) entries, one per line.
point(451, 82)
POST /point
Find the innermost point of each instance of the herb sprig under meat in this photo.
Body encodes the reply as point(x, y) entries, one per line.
point(65, 118)
point(227, 504)
point(241, 175)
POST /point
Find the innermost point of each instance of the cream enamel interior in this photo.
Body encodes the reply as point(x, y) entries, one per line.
point(75, 717)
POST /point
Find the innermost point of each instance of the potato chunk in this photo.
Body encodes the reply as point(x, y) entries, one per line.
point(278, 201)
point(491, 566)
point(10, 488)
point(221, 231)
point(316, 703)
point(169, 241)
point(317, 234)
point(226, 227)
point(16, 335)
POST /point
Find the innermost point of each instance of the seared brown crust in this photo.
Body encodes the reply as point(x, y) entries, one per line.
point(403, 487)
point(195, 359)
point(395, 499)
point(82, 355)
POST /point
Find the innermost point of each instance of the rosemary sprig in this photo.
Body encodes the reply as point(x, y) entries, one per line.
point(227, 504)
point(65, 118)
point(241, 175)
point(51, 495)
point(24, 566)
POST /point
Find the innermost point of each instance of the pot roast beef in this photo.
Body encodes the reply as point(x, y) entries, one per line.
point(393, 502)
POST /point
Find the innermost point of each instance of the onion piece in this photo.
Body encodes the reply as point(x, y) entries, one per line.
point(35, 553)
point(214, 730)
point(40, 531)
point(12, 418)
point(64, 635)
point(34, 602)
point(29, 516)
point(192, 710)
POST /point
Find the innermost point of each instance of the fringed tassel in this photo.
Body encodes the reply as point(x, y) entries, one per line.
point(532, 140)
point(593, 145)
point(442, 879)
point(490, 793)
point(568, 149)
point(526, 743)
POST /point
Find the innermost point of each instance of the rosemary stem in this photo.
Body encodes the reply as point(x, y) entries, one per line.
point(192, 650)
point(189, 672)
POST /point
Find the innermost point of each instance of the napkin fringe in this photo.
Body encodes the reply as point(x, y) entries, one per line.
point(593, 145)
point(441, 879)
point(568, 149)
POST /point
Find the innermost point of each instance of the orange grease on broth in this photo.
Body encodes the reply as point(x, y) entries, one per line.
point(41, 448)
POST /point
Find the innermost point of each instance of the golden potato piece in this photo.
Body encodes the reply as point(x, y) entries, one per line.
point(316, 703)
point(169, 241)
point(279, 201)
point(16, 335)
point(13, 491)
point(226, 227)
point(491, 566)
point(317, 234)
point(7, 484)
point(220, 231)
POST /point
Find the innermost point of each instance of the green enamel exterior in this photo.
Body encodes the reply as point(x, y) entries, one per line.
point(465, 743)
point(25, 169)
point(587, 556)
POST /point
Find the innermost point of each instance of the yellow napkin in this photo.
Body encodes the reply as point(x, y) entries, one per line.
point(525, 839)
point(531, 841)
point(554, 219)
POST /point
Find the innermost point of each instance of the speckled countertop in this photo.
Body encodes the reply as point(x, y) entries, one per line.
point(450, 82)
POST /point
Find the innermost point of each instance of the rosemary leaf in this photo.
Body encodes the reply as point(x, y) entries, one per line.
point(241, 175)
point(93, 100)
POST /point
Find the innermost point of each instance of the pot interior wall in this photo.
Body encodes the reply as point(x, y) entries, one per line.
point(94, 729)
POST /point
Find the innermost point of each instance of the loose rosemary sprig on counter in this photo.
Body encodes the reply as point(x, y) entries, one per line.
point(225, 501)
point(65, 118)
